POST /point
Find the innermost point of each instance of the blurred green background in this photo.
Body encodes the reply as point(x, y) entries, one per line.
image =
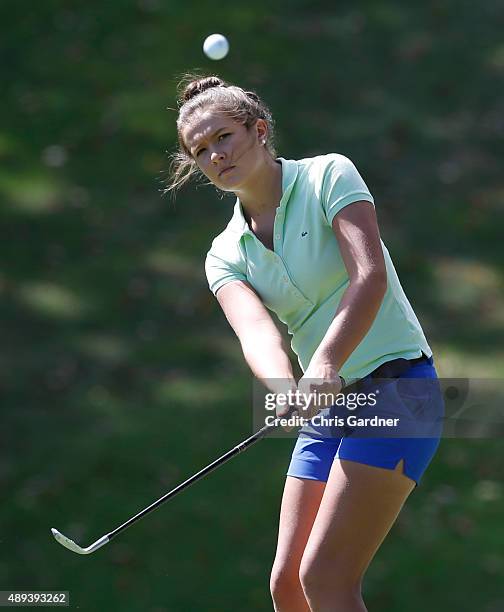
point(119, 374)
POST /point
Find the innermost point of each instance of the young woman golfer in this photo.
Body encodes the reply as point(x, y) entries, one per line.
point(303, 242)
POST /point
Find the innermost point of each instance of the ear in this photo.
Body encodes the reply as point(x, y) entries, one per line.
point(261, 130)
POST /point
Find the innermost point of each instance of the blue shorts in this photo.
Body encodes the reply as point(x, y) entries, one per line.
point(316, 448)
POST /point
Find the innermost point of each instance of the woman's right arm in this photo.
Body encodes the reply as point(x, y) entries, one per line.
point(261, 342)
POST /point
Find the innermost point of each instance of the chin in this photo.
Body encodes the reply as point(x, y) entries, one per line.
point(230, 185)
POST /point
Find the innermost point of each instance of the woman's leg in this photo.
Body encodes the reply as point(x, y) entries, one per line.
point(359, 506)
point(300, 503)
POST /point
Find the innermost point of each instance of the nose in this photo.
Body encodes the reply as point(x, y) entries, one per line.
point(216, 156)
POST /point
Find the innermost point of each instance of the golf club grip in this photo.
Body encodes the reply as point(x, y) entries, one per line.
point(264, 431)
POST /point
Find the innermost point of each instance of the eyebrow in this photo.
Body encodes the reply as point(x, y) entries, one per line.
point(211, 136)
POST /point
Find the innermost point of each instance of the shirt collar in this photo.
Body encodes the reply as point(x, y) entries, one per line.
point(289, 175)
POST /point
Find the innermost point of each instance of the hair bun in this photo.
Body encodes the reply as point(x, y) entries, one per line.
point(198, 86)
point(252, 95)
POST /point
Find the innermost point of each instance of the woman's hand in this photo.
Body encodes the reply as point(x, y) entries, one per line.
point(286, 391)
point(287, 404)
point(319, 387)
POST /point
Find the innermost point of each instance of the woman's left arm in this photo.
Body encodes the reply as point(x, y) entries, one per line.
point(358, 236)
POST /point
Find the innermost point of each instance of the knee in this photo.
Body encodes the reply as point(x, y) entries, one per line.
point(329, 581)
point(284, 585)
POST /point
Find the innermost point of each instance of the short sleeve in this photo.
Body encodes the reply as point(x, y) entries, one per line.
point(224, 263)
point(219, 272)
point(342, 185)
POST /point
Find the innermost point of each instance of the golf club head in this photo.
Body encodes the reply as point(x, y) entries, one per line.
point(71, 545)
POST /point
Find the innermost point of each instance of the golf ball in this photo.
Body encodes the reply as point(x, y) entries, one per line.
point(216, 46)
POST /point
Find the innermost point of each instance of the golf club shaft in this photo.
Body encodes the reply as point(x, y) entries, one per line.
point(258, 435)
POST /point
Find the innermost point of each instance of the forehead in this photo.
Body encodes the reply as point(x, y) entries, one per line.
point(203, 125)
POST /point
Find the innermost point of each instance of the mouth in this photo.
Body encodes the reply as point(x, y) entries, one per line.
point(225, 171)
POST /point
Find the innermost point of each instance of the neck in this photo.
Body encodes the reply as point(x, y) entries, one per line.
point(264, 192)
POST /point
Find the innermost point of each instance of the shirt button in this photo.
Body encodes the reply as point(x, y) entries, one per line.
point(277, 236)
point(285, 279)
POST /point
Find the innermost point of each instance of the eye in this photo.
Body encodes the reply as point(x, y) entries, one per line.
point(218, 139)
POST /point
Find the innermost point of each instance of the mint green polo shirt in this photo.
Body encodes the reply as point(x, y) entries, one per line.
point(304, 278)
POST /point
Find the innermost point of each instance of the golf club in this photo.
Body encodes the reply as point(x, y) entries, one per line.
point(71, 545)
point(242, 446)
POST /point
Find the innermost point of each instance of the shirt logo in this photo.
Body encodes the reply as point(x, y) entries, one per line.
point(303, 234)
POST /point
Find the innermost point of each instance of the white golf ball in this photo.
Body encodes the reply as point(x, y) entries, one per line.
point(216, 46)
